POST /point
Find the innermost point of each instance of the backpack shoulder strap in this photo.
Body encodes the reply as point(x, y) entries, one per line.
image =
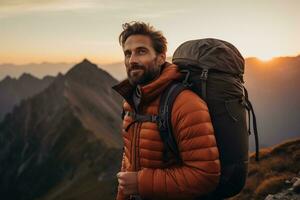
point(164, 120)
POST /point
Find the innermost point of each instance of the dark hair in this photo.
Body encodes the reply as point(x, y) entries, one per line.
point(159, 42)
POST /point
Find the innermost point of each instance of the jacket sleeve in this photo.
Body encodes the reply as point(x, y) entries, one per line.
point(124, 163)
point(200, 171)
point(120, 195)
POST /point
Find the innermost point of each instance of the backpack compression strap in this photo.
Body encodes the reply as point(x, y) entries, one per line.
point(203, 79)
point(249, 108)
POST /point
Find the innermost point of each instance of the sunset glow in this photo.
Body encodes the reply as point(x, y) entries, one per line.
point(68, 31)
point(266, 57)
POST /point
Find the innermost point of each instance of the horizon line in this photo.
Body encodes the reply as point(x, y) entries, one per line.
point(121, 61)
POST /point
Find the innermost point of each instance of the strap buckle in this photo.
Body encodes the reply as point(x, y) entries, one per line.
point(185, 82)
point(154, 118)
point(204, 74)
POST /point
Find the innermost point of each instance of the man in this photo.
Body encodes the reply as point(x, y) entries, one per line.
point(144, 174)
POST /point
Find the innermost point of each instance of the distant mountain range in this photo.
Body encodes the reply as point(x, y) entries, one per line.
point(38, 70)
point(64, 141)
point(13, 90)
point(274, 90)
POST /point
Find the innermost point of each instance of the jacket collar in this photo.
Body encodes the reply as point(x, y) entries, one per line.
point(150, 91)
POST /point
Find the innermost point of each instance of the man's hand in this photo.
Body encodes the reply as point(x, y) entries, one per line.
point(128, 182)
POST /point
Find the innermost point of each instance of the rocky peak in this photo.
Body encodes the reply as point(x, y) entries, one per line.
point(25, 77)
point(87, 73)
point(82, 68)
point(7, 79)
point(86, 61)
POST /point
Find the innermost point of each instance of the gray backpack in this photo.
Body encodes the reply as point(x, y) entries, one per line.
point(214, 70)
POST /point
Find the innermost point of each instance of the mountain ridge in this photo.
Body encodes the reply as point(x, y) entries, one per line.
point(62, 135)
point(13, 90)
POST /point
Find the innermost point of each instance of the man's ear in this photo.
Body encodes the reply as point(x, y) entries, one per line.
point(161, 58)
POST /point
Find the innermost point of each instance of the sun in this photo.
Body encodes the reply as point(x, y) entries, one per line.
point(265, 58)
point(265, 55)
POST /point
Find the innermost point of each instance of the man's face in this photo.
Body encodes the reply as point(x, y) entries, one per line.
point(141, 61)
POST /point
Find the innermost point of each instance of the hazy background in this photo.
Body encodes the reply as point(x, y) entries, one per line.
point(60, 120)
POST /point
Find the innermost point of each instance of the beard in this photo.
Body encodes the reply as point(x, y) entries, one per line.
point(141, 75)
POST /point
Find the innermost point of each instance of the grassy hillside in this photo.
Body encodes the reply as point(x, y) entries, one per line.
point(277, 164)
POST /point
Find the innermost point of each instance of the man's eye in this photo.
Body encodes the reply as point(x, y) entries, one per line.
point(127, 54)
point(142, 51)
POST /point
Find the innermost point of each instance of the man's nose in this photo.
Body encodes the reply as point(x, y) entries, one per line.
point(133, 59)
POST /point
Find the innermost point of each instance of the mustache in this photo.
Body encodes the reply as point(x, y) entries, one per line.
point(136, 66)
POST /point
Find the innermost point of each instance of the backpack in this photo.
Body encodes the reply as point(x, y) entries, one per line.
point(214, 70)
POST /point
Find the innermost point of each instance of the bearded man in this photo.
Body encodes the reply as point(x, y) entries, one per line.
point(144, 173)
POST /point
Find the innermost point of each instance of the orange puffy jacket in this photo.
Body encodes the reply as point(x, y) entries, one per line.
point(143, 147)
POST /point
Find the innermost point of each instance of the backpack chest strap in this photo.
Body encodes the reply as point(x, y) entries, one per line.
point(140, 118)
point(163, 120)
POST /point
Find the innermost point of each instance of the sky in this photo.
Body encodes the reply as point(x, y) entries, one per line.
point(35, 31)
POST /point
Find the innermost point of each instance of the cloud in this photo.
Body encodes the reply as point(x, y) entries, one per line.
point(134, 8)
point(157, 14)
point(61, 5)
point(10, 8)
point(17, 3)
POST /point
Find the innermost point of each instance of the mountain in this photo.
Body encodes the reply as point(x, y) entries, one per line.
point(273, 89)
point(64, 142)
point(36, 69)
point(273, 174)
point(13, 90)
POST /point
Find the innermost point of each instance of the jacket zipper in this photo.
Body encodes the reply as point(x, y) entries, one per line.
point(132, 148)
point(135, 140)
point(137, 159)
point(135, 147)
